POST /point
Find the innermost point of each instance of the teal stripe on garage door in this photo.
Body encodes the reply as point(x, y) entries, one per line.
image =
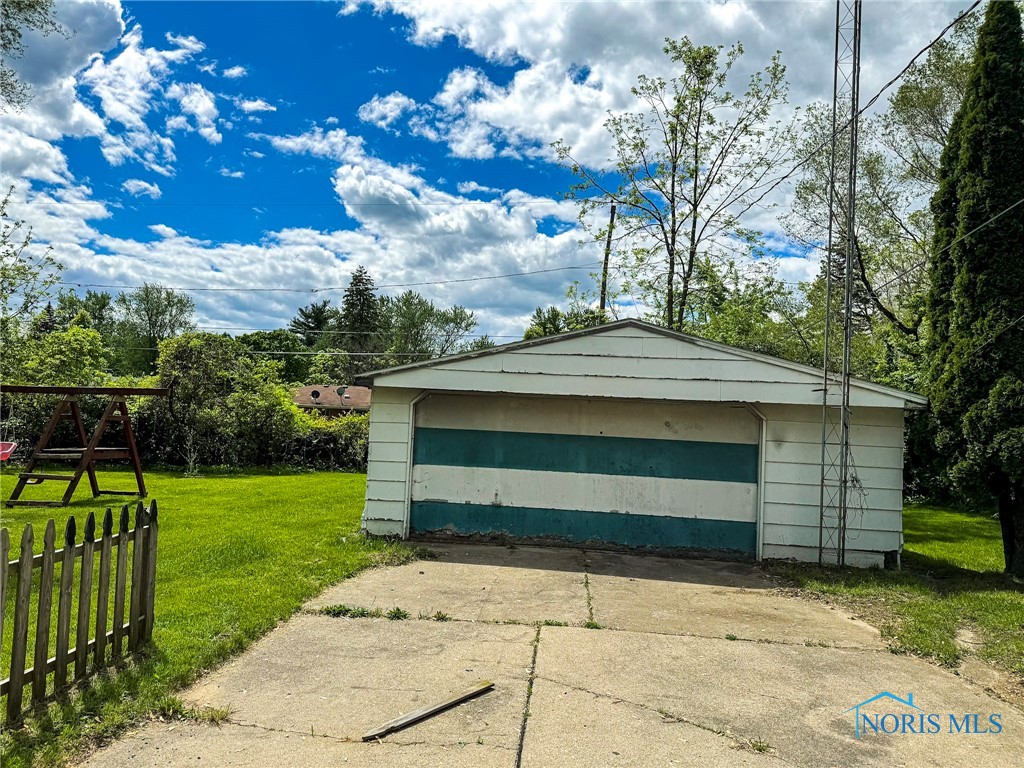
point(615, 527)
point(588, 454)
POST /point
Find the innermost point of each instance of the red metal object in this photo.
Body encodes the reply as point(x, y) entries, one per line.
point(6, 449)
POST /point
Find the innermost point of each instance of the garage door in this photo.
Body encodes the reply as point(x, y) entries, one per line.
point(638, 474)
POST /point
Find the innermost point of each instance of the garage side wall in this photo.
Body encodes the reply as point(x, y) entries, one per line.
point(387, 473)
point(792, 472)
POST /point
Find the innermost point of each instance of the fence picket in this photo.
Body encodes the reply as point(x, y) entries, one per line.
point(85, 597)
point(67, 575)
point(103, 591)
point(19, 635)
point(119, 581)
point(138, 557)
point(5, 549)
point(151, 570)
point(43, 617)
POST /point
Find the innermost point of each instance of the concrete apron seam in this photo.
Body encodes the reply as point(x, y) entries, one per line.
point(524, 623)
point(529, 695)
point(740, 742)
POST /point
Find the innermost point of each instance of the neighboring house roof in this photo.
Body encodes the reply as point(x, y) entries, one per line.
point(470, 371)
point(331, 397)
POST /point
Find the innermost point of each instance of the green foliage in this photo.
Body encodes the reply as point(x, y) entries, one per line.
point(74, 357)
point(312, 321)
point(330, 366)
point(294, 367)
point(578, 316)
point(976, 302)
point(147, 316)
point(337, 443)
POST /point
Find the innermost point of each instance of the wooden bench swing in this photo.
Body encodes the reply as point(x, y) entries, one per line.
point(87, 450)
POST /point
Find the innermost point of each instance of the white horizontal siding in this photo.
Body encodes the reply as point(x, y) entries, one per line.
point(387, 470)
point(793, 477)
point(389, 413)
point(666, 497)
point(809, 455)
point(807, 536)
point(809, 495)
point(855, 557)
point(874, 417)
point(576, 416)
point(638, 363)
point(391, 431)
point(804, 474)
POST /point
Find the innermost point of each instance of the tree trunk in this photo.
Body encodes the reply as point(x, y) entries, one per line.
point(1011, 523)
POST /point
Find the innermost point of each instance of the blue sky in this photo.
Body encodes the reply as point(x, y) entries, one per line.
point(275, 145)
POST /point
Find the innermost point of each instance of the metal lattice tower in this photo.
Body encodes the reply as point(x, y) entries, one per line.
point(835, 419)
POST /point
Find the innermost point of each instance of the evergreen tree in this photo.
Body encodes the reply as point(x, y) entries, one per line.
point(360, 313)
point(976, 302)
point(311, 321)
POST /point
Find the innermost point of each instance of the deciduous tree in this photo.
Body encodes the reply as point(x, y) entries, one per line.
point(686, 167)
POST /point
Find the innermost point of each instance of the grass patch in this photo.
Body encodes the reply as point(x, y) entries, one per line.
point(351, 612)
point(397, 614)
point(951, 580)
point(239, 552)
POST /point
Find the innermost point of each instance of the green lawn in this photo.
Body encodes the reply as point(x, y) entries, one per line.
point(951, 581)
point(238, 553)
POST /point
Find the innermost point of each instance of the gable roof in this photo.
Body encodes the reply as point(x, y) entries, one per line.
point(804, 374)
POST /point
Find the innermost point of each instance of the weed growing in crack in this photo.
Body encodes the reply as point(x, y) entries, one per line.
point(351, 612)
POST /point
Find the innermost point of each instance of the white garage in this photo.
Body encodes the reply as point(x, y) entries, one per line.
point(630, 435)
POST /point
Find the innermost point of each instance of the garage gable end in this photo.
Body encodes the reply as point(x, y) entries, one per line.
point(633, 359)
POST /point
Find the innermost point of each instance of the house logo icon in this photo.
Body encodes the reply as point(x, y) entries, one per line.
point(907, 702)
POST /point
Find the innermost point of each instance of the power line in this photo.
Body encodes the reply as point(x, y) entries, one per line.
point(964, 236)
point(198, 289)
point(838, 130)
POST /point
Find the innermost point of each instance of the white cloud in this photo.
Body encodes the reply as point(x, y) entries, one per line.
point(382, 111)
point(254, 153)
point(198, 102)
point(138, 188)
point(255, 105)
point(468, 187)
point(233, 73)
point(331, 121)
point(209, 67)
point(163, 230)
point(228, 173)
point(126, 87)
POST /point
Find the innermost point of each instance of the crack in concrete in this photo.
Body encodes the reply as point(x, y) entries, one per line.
point(529, 695)
point(272, 729)
point(740, 742)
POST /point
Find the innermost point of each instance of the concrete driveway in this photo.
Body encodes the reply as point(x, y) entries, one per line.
point(598, 659)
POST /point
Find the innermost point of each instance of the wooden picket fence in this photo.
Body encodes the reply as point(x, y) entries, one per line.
point(92, 637)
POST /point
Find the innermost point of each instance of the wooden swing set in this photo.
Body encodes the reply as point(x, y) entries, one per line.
point(87, 450)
